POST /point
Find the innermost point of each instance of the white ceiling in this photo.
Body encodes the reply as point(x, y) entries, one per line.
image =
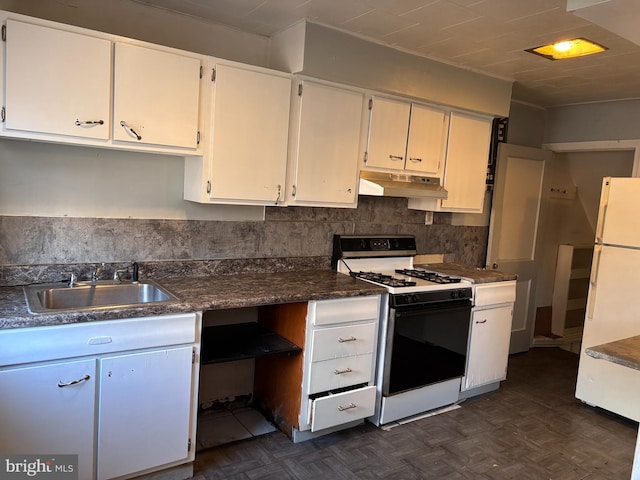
point(489, 36)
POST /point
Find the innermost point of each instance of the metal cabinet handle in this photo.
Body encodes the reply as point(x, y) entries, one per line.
point(481, 321)
point(340, 372)
point(350, 339)
point(279, 194)
point(395, 157)
point(62, 384)
point(415, 159)
point(348, 407)
point(130, 130)
point(82, 123)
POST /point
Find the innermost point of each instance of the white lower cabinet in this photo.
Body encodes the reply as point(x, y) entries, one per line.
point(339, 362)
point(124, 410)
point(490, 334)
point(42, 412)
point(153, 429)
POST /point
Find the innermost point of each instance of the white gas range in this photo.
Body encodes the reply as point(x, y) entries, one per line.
point(423, 339)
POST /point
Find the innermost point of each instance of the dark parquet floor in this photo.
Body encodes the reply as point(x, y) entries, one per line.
point(532, 428)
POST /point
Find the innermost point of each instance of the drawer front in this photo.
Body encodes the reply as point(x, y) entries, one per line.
point(495, 293)
point(26, 345)
point(337, 342)
point(342, 408)
point(340, 372)
point(344, 310)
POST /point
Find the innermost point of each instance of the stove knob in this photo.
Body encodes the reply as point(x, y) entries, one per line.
point(453, 294)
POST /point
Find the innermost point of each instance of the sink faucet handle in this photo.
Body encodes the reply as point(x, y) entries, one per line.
point(95, 275)
point(73, 278)
point(117, 273)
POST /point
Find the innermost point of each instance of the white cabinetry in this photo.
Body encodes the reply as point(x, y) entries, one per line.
point(153, 429)
point(342, 345)
point(489, 335)
point(326, 127)
point(245, 138)
point(155, 97)
point(406, 137)
point(125, 406)
point(466, 166)
point(57, 82)
point(39, 416)
point(70, 85)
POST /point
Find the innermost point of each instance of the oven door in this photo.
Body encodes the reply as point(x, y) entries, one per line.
point(426, 343)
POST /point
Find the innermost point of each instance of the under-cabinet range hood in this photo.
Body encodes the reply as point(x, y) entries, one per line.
point(400, 185)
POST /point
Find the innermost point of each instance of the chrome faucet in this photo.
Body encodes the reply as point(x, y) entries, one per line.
point(95, 275)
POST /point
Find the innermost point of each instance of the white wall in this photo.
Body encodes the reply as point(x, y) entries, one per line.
point(155, 25)
point(47, 180)
point(340, 57)
point(594, 121)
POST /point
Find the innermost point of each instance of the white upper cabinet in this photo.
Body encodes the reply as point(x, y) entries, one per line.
point(467, 158)
point(325, 145)
point(66, 84)
point(406, 137)
point(245, 135)
point(57, 82)
point(427, 140)
point(155, 97)
point(465, 173)
point(388, 128)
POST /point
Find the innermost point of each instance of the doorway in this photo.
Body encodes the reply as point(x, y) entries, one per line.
point(575, 181)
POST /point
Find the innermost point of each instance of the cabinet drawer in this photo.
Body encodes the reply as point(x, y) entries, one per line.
point(337, 342)
point(343, 310)
point(25, 345)
point(342, 408)
point(495, 293)
point(340, 372)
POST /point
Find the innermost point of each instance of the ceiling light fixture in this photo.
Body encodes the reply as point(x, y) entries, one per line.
point(576, 47)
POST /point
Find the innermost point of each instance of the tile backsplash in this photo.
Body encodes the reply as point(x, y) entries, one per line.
point(287, 232)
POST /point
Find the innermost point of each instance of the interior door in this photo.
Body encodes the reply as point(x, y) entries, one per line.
point(515, 217)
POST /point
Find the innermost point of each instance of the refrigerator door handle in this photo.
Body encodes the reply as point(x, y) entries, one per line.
point(593, 280)
point(600, 226)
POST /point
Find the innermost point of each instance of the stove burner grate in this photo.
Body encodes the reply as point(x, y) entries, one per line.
point(382, 279)
point(429, 276)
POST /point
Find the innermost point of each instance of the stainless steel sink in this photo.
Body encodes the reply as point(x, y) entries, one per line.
point(54, 297)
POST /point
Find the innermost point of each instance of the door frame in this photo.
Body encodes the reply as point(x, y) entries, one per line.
point(600, 146)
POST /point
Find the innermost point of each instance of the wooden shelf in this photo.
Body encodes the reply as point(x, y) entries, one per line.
point(226, 343)
point(571, 286)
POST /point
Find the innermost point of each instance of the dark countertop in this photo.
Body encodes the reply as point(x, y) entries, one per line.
point(201, 293)
point(474, 275)
point(624, 352)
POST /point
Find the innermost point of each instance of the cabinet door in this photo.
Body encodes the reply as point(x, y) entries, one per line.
point(155, 97)
point(466, 166)
point(55, 78)
point(427, 141)
point(250, 126)
point(328, 144)
point(144, 410)
point(39, 415)
point(388, 128)
point(489, 346)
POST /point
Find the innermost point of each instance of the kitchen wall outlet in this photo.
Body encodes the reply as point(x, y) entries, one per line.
point(428, 218)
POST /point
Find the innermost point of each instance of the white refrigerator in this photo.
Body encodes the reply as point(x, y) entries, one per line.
point(613, 303)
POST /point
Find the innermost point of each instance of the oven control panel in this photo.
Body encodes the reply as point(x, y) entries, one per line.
point(431, 296)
